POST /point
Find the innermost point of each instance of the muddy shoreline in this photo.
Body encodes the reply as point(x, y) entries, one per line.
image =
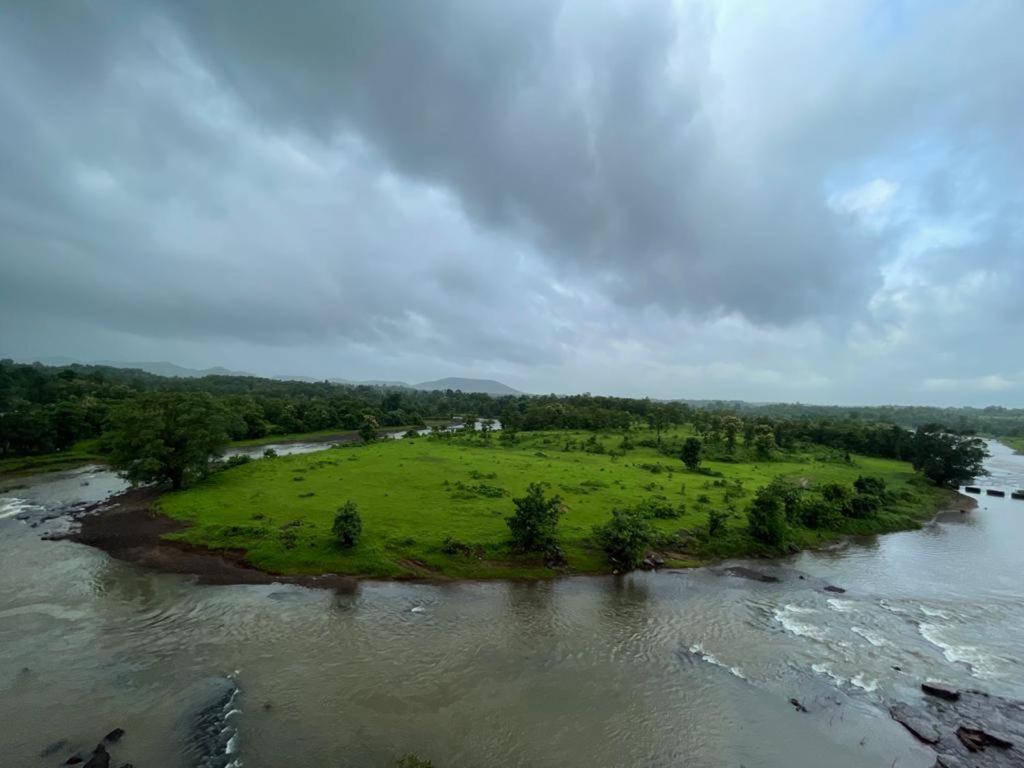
point(128, 527)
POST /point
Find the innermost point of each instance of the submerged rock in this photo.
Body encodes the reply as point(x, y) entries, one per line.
point(835, 589)
point(797, 705)
point(976, 739)
point(100, 758)
point(53, 748)
point(742, 572)
point(948, 761)
point(114, 736)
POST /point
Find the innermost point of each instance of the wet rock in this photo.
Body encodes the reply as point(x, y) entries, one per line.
point(941, 690)
point(75, 759)
point(742, 572)
point(114, 736)
point(976, 739)
point(100, 758)
point(948, 761)
point(797, 705)
point(835, 589)
point(917, 722)
point(57, 746)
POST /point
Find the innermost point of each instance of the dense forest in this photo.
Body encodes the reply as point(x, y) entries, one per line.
point(45, 409)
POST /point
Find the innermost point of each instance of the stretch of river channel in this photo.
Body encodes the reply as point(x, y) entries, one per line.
point(692, 668)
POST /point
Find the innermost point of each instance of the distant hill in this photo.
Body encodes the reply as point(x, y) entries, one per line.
point(159, 368)
point(485, 386)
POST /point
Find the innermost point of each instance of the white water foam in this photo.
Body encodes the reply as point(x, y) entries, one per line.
point(698, 650)
point(826, 669)
point(785, 617)
point(13, 506)
point(979, 663)
point(862, 682)
point(871, 636)
point(841, 606)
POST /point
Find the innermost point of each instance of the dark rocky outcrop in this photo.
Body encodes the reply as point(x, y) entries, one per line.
point(100, 758)
point(114, 736)
point(994, 492)
point(941, 690)
point(835, 589)
point(972, 489)
point(742, 572)
point(967, 728)
point(797, 705)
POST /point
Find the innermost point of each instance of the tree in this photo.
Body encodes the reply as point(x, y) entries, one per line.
point(625, 537)
point(348, 525)
point(764, 440)
point(369, 428)
point(946, 459)
point(731, 427)
point(691, 454)
point(535, 521)
point(658, 419)
point(167, 437)
point(766, 517)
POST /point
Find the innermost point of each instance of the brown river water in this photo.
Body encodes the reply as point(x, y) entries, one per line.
point(688, 668)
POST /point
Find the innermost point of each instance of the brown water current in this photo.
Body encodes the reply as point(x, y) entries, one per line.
point(690, 668)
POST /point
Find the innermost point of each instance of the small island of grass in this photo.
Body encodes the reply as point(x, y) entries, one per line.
point(437, 507)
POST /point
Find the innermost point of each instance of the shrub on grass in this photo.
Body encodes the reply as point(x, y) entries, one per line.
point(766, 517)
point(348, 525)
point(625, 537)
point(716, 522)
point(535, 521)
point(269, 453)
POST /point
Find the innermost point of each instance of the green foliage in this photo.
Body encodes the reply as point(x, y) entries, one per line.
point(691, 452)
point(167, 437)
point(766, 517)
point(946, 459)
point(238, 460)
point(369, 429)
point(269, 453)
point(348, 525)
point(625, 537)
point(659, 508)
point(764, 441)
point(716, 522)
point(535, 522)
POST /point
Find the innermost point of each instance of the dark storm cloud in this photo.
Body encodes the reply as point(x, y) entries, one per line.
point(801, 201)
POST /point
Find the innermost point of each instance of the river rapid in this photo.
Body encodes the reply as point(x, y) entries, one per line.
point(690, 668)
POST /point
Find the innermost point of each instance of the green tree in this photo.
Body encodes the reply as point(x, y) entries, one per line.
point(716, 522)
point(369, 428)
point(691, 454)
point(167, 437)
point(766, 517)
point(764, 440)
point(348, 525)
point(625, 537)
point(731, 427)
point(535, 522)
point(658, 419)
point(946, 459)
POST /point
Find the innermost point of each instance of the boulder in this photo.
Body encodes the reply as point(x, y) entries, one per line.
point(917, 722)
point(835, 589)
point(975, 739)
point(797, 705)
point(941, 690)
point(100, 758)
point(114, 736)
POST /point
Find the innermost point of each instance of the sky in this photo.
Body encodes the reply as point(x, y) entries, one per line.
point(775, 201)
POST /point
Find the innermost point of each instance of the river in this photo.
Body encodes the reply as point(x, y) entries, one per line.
point(690, 668)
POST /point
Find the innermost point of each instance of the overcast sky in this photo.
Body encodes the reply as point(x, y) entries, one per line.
point(811, 201)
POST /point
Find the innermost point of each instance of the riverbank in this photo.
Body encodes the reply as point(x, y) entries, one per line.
point(436, 509)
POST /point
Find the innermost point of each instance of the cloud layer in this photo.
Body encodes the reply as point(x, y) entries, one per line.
point(664, 198)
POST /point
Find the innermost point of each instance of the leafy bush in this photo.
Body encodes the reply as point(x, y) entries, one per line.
point(659, 507)
point(237, 460)
point(625, 537)
point(535, 522)
point(348, 525)
point(870, 486)
point(691, 452)
point(269, 453)
point(716, 522)
point(818, 512)
point(452, 546)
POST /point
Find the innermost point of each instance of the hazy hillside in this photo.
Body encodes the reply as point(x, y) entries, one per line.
point(486, 386)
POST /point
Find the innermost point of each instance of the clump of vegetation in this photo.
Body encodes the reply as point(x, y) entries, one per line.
point(716, 522)
point(534, 525)
point(452, 546)
point(471, 491)
point(167, 437)
point(348, 525)
point(660, 508)
point(766, 517)
point(691, 453)
point(625, 537)
point(238, 460)
point(269, 453)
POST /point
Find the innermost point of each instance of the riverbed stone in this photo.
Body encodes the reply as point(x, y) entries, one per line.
point(948, 761)
point(114, 736)
point(100, 758)
point(835, 589)
point(941, 690)
point(917, 722)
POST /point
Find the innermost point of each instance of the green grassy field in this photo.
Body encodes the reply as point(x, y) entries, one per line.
point(413, 494)
point(1017, 443)
point(83, 452)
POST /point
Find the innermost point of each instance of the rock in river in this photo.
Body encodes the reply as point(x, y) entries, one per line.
point(917, 722)
point(941, 690)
